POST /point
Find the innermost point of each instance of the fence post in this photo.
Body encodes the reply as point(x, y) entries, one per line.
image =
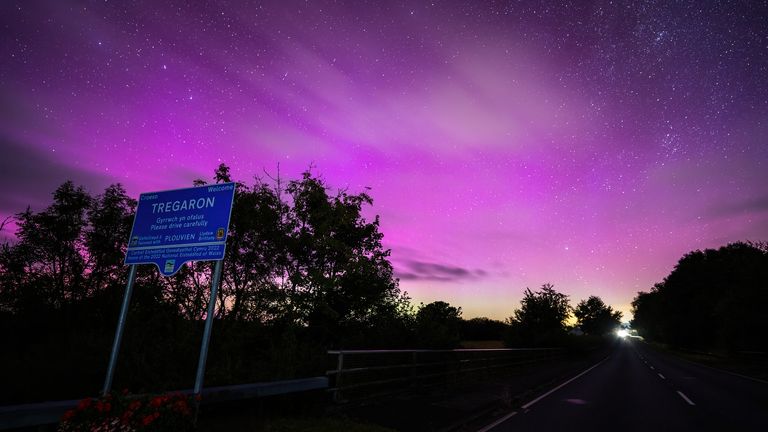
point(339, 369)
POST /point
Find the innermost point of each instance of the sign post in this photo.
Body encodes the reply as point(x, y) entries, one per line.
point(119, 331)
point(208, 326)
point(171, 228)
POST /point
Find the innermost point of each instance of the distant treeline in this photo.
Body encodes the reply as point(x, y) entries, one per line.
point(304, 272)
point(712, 300)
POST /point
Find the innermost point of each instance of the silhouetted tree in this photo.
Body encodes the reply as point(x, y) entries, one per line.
point(647, 314)
point(110, 217)
point(540, 320)
point(257, 254)
point(13, 276)
point(483, 328)
point(339, 275)
point(437, 325)
point(50, 251)
point(594, 317)
point(711, 299)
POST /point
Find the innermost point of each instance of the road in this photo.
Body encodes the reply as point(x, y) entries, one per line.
point(638, 389)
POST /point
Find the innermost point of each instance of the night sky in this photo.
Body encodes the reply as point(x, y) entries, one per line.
point(507, 144)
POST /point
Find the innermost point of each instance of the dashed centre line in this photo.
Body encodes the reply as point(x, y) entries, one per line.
point(682, 395)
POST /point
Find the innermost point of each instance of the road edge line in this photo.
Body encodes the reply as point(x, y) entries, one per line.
point(513, 413)
point(498, 422)
point(529, 404)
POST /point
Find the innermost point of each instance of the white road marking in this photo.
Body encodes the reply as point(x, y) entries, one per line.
point(682, 395)
point(498, 422)
point(725, 371)
point(661, 376)
point(529, 404)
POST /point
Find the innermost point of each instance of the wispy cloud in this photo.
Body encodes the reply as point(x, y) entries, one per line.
point(422, 270)
point(755, 205)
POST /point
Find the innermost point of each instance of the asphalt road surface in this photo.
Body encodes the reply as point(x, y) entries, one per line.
point(638, 389)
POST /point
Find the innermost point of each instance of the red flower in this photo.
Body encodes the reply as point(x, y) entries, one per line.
point(147, 420)
point(156, 401)
point(134, 405)
point(103, 406)
point(68, 415)
point(126, 417)
point(181, 406)
point(85, 403)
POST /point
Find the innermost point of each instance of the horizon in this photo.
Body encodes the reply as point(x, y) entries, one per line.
point(505, 147)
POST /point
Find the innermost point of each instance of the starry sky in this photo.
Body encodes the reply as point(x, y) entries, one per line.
point(588, 144)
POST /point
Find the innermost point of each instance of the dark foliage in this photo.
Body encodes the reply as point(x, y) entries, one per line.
point(304, 272)
point(713, 299)
point(437, 325)
point(594, 317)
point(540, 321)
point(477, 329)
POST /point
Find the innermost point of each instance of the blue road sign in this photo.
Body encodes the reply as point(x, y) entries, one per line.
point(176, 226)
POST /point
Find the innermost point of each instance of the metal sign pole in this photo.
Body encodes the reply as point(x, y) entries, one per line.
point(208, 325)
point(119, 331)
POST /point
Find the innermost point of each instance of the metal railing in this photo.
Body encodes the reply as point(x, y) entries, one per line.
point(361, 374)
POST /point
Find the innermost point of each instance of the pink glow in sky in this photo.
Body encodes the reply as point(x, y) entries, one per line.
point(507, 144)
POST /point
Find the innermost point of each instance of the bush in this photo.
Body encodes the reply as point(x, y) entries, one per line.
point(122, 412)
